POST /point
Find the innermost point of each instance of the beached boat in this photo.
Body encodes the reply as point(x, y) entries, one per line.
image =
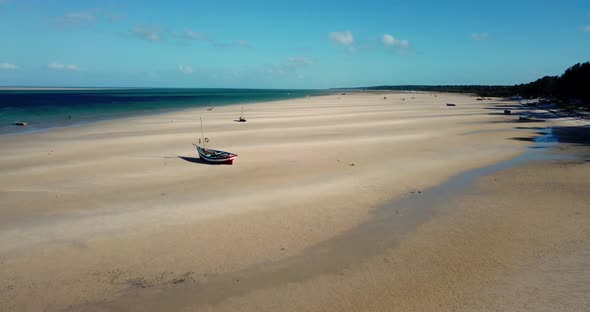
point(215, 156)
point(242, 118)
point(212, 155)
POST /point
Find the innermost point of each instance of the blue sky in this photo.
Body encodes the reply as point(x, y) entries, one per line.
point(288, 44)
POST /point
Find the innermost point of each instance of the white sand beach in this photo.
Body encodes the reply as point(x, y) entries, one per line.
point(122, 216)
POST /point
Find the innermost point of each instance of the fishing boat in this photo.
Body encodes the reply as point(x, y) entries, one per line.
point(212, 155)
point(215, 156)
point(242, 118)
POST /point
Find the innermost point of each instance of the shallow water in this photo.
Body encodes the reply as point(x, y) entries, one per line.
point(44, 109)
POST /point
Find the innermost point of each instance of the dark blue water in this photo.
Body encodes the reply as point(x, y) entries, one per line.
point(44, 109)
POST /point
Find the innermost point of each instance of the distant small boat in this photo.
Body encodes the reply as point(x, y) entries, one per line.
point(20, 123)
point(525, 118)
point(507, 112)
point(211, 155)
point(451, 104)
point(242, 118)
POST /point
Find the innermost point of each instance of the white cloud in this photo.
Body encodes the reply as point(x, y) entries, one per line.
point(189, 34)
point(86, 18)
point(242, 43)
point(480, 36)
point(586, 29)
point(300, 61)
point(148, 33)
point(192, 35)
point(236, 43)
point(292, 67)
point(391, 41)
point(276, 69)
point(77, 18)
point(59, 66)
point(113, 16)
point(73, 20)
point(187, 70)
point(344, 38)
point(8, 66)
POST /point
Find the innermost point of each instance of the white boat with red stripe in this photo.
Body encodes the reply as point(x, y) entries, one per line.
point(212, 155)
point(215, 156)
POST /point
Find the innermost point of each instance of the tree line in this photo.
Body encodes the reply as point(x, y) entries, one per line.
point(573, 86)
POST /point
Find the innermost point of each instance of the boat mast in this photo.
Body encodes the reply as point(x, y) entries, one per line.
point(202, 132)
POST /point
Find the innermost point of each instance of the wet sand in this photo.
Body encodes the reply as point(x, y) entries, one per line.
point(121, 216)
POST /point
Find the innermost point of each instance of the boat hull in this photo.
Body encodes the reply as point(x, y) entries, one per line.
point(215, 156)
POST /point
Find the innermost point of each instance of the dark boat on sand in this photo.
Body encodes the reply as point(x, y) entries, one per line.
point(242, 118)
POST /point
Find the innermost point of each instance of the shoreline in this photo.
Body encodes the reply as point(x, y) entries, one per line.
point(130, 115)
point(243, 224)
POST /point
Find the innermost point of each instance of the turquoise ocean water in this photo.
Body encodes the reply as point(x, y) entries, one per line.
point(45, 109)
